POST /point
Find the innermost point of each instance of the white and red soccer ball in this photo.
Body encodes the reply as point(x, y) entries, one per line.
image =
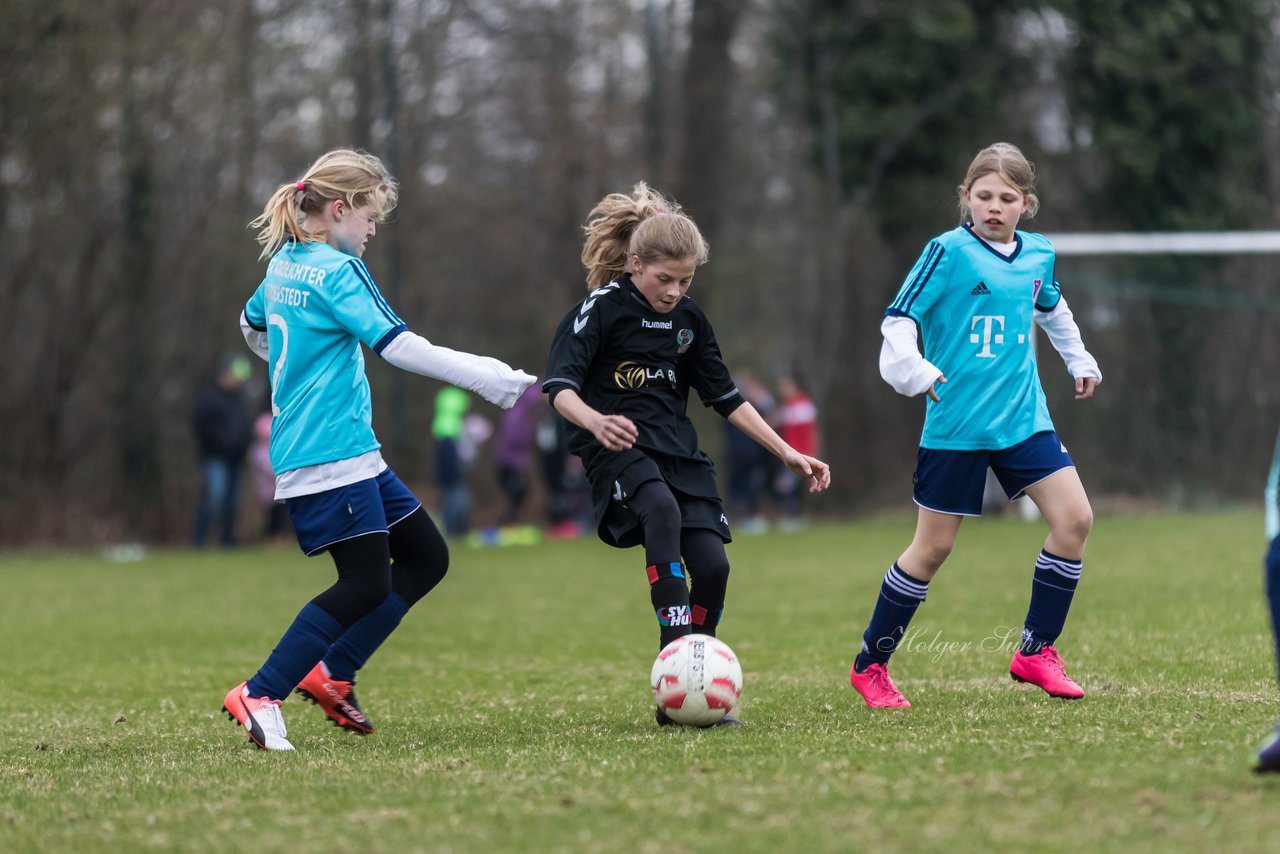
point(696, 680)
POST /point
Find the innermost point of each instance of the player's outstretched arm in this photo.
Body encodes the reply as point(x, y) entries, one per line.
point(750, 422)
point(494, 380)
point(614, 432)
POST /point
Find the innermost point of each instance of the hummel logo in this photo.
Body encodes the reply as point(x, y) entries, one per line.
point(980, 290)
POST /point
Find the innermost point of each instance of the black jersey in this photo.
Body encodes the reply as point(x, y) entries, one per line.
point(624, 358)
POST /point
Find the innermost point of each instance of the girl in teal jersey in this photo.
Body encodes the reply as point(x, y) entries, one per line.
point(1269, 753)
point(973, 297)
point(316, 306)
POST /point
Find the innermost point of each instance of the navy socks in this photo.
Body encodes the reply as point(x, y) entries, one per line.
point(304, 643)
point(900, 596)
point(350, 652)
point(1052, 588)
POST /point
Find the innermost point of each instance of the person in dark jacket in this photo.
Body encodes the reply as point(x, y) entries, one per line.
point(223, 431)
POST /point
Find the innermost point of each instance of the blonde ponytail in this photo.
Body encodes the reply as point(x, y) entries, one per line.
point(644, 223)
point(356, 177)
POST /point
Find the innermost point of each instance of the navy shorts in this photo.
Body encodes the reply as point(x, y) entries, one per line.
point(365, 507)
point(622, 528)
point(953, 481)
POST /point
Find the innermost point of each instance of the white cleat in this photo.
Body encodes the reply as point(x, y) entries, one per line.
point(260, 716)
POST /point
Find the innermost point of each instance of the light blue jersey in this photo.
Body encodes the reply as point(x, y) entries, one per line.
point(1272, 499)
point(317, 305)
point(975, 310)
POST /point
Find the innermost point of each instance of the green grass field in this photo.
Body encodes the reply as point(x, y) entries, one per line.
point(513, 706)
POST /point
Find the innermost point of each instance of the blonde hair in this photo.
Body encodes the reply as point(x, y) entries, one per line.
point(356, 177)
point(644, 223)
point(1006, 160)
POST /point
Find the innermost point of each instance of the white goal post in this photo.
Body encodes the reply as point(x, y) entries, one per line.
point(1165, 243)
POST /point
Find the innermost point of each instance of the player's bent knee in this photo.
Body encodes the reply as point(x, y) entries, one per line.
point(931, 555)
point(367, 598)
point(1077, 524)
point(659, 512)
point(1272, 564)
point(715, 574)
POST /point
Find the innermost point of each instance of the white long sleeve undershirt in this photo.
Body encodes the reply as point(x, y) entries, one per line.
point(255, 338)
point(494, 380)
point(901, 364)
point(1060, 327)
point(490, 378)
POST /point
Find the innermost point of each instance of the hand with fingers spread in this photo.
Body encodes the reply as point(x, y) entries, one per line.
point(812, 469)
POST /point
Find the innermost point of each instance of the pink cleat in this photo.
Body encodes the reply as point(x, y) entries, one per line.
point(877, 688)
point(1044, 670)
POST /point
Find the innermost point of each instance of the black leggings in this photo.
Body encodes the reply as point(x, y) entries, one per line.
point(665, 542)
point(366, 573)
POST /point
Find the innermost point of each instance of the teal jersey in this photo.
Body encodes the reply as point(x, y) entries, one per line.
point(1272, 497)
point(317, 305)
point(975, 309)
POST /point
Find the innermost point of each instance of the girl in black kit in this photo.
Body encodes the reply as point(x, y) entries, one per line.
point(621, 366)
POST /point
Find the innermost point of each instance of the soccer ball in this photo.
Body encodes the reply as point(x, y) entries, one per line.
point(696, 680)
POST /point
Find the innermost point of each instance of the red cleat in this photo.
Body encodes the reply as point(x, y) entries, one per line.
point(877, 688)
point(1044, 670)
point(336, 698)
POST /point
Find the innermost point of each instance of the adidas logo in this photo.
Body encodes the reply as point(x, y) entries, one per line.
point(980, 290)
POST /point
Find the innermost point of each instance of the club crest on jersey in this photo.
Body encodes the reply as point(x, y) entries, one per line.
point(684, 338)
point(1035, 287)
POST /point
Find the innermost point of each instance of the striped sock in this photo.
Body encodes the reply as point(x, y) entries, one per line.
point(1052, 587)
point(900, 595)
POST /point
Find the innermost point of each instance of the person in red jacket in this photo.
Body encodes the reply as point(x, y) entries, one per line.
point(797, 421)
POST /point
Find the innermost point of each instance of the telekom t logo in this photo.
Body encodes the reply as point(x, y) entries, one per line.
point(992, 333)
point(987, 337)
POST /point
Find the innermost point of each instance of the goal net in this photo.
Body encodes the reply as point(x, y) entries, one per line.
point(1186, 328)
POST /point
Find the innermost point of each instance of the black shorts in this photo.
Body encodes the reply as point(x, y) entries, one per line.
point(621, 527)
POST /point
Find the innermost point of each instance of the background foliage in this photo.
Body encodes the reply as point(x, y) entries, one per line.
point(817, 141)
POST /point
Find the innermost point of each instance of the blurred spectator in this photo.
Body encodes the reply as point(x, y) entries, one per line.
point(451, 476)
point(747, 463)
point(513, 451)
point(798, 427)
point(275, 513)
point(567, 492)
point(223, 430)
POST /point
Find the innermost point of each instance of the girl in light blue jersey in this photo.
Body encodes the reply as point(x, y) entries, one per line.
point(974, 298)
point(308, 319)
point(1269, 753)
